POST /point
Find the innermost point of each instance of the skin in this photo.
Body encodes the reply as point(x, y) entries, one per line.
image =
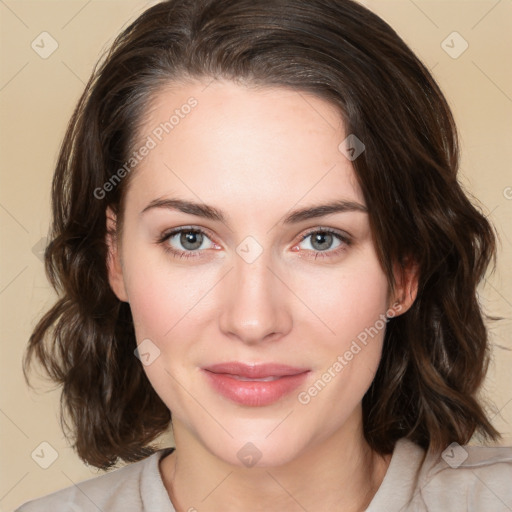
point(256, 155)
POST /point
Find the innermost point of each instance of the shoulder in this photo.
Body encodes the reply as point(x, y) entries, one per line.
point(460, 479)
point(466, 478)
point(129, 488)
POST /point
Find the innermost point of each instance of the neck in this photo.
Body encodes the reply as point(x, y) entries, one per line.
point(340, 473)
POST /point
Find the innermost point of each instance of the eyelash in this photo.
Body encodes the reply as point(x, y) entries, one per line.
point(164, 238)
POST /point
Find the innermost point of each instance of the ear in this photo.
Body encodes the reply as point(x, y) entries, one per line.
point(406, 286)
point(114, 266)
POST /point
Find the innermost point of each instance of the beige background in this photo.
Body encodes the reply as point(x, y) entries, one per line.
point(36, 99)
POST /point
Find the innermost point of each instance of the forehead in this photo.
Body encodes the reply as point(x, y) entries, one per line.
point(253, 148)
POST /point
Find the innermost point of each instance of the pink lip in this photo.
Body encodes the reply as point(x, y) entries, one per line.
point(225, 379)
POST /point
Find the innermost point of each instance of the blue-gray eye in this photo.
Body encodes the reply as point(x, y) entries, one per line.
point(322, 241)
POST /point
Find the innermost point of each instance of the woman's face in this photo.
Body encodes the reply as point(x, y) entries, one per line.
point(262, 321)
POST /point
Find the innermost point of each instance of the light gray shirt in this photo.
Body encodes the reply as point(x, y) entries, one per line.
point(463, 479)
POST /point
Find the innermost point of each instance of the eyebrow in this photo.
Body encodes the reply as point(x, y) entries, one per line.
point(296, 216)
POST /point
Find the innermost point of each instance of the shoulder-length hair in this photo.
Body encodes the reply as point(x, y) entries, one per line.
point(435, 356)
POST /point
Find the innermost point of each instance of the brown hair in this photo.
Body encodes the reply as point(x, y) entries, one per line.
point(435, 356)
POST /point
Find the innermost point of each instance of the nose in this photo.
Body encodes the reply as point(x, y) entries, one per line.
point(256, 303)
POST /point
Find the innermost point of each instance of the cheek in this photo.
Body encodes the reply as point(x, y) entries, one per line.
point(169, 305)
point(336, 304)
point(352, 308)
point(161, 294)
point(346, 300)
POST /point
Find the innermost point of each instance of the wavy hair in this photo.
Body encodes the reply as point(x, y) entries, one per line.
point(435, 356)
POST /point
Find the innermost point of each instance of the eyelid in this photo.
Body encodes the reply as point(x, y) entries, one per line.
point(166, 235)
point(173, 231)
point(344, 237)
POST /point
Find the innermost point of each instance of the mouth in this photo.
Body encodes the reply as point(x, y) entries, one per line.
point(248, 379)
point(254, 385)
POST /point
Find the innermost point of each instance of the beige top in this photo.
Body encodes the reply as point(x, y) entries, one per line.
point(463, 479)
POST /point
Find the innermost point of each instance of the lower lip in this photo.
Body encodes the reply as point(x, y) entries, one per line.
point(254, 393)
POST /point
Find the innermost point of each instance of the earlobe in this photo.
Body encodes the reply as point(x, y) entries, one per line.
point(114, 267)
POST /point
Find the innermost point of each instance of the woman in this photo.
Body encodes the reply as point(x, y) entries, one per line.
point(257, 226)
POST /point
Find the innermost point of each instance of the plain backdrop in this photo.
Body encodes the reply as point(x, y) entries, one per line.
point(465, 43)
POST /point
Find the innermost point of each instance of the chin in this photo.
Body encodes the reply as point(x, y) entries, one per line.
point(258, 453)
point(261, 445)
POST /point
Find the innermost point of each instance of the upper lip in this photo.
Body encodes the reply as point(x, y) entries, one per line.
point(255, 370)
